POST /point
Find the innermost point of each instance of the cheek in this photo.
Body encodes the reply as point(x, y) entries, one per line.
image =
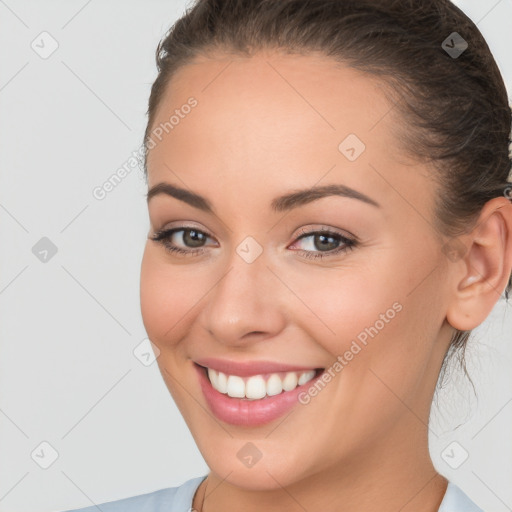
point(338, 306)
point(372, 316)
point(377, 337)
point(167, 298)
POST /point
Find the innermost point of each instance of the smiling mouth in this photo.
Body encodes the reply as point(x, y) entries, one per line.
point(261, 386)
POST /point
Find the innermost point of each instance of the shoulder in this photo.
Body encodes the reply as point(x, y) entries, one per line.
point(179, 498)
point(456, 500)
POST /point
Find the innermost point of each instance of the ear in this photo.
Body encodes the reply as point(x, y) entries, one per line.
point(482, 262)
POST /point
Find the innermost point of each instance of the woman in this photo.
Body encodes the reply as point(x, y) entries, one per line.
point(329, 202)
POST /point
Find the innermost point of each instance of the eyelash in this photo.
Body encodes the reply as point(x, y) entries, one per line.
point(164, 235)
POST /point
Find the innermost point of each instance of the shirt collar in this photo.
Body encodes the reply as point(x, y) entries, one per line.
point(456, 500)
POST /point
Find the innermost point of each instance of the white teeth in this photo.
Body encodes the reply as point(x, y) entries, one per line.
point(213, 376)
point(255, 387)
point(222, 382)
point(290, 381)
point(274, 385)
point(306, 376)
point(236, 387)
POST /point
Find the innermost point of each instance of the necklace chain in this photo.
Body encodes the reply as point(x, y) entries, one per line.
point(201, 509)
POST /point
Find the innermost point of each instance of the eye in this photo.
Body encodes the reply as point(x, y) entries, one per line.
point(191, 238)
point(324, 241)
point(191, 241)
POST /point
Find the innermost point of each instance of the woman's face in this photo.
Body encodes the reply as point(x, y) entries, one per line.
point(252, 285)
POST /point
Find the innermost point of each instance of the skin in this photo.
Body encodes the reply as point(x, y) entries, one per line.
point(271, 124)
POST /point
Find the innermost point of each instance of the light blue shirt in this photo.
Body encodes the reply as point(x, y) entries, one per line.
point(179, 499)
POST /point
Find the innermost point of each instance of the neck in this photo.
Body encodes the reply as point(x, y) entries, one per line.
point(397, 475)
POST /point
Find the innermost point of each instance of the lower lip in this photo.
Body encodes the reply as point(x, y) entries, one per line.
point(249, 413)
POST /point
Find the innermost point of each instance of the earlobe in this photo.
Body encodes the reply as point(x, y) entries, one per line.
point(485, 266)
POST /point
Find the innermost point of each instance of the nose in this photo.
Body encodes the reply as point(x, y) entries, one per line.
point(246, 305)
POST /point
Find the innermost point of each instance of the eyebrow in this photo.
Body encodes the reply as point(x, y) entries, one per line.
point(282, 203)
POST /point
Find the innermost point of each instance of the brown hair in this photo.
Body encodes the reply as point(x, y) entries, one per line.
point(454, 106)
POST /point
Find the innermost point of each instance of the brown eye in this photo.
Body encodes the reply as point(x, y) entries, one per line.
point(324, 241)
point(193, 237)
point(189, 241)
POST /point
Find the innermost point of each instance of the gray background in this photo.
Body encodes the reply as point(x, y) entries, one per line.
point(69, 325)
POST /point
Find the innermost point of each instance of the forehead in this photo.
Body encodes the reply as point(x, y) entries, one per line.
point(274, 115)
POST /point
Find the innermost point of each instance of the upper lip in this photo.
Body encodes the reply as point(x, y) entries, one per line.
point(247, 368)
